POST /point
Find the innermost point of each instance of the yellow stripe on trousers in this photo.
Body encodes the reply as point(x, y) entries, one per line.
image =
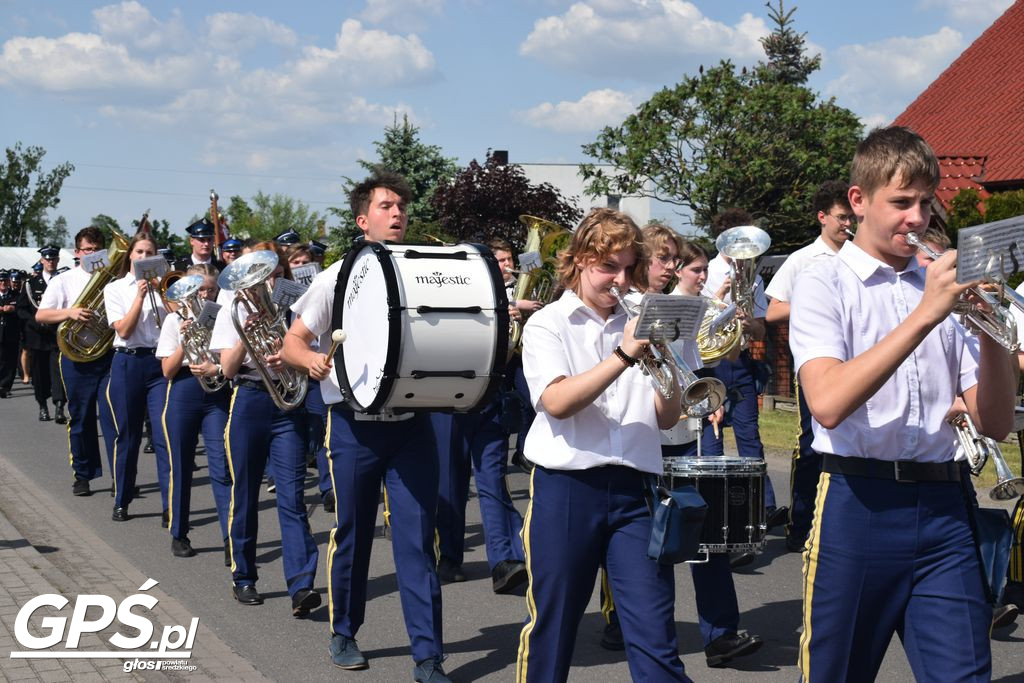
point(810, 573)
point(234, 480)
point(331, 543)
point(60, 369)
point(170, 460)
point(117, 433)
point(531, 605)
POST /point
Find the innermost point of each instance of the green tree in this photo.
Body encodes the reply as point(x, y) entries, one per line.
point(55, 233)
point(1004, 205)
point(424, 168)
point(106, 225)
point(265, 216)
point(160, 229)
point(964, 211)
point(784, 48)
point(757, 140)
point(486, 201)
point(26, 193)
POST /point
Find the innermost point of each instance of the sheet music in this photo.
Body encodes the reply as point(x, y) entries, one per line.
point(287, 292)
point(208, 315)
point(686, 313)
point(151, 268)
point(991, 251)
point(304, 274)
point(529, 260)
point(90, 263)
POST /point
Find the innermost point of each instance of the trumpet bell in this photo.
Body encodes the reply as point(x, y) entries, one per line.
point(1007, 490)
point(743, 242)
point(248, 270)
point(703, 397)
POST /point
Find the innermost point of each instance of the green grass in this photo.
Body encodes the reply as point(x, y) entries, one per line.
point(779, 429)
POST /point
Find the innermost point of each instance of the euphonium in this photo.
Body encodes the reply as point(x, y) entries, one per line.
point(83, 341)
point(742, 244)
point(263, 327)
point(168, 280)
point(701, 396)
point(195, 338)
point(545, 237)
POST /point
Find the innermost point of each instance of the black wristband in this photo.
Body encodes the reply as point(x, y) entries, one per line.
point(626, 359)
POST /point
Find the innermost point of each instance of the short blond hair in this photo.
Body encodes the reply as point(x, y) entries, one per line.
point(601, 233)
point(893, 153)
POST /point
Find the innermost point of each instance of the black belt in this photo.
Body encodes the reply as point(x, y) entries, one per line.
point(251, 383)
point(136, 351)
point(896, 470)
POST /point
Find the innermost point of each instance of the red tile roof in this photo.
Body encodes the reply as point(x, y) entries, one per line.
point(973, 113)
point(956, 173)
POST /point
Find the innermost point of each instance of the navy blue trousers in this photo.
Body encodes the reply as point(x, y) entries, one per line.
point(475, 441)
point(577, 520)
point(316, 415)
point(136, 383)
point(259, 432)
point(886, 557)
point(402, 454)
point(803, 478)
point(189, 411)
point(83, 383)
point(738, 378)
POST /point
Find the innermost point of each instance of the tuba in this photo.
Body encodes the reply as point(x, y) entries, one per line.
point(547, 238)
point(720, 333)
point(195, 338)
point(83, 341)
point(263, 329)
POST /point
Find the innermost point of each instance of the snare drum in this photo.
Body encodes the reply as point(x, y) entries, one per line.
point(427, 327)
point(733, 488)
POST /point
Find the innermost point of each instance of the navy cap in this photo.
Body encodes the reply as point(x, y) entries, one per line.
point(231, 245)
point(37, 266)
point(4, 275)
point(317, 248)
point(50, 251)
point(203, 228)
point(167, 253)
point(288, 238)
point(17, 274)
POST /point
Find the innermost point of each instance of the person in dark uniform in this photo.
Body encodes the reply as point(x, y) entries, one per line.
point(200, 237)
point(41, 338)
point(18, 278)
point(287, 239)
point(230, 249)
point(10, 334)
point(84, 381)
point(396, 448)
point(317, 250)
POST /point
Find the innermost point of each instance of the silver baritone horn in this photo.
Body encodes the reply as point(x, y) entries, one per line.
point(997, 322)
point(262, 327)
point(743, 245)
point(195, 338)
point(980, 449)
point(701, 396)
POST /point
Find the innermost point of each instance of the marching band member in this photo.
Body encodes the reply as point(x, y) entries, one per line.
point(594, 443)
point(881, 361)
point(832, 208)
point(41, 339)
point(397, 448)
point(83, 382)
point(135, 310)
point(10, 334)
point(258, 433)
point(188, 411)
point(200, 238)
point(738, 375)
point(230, 250)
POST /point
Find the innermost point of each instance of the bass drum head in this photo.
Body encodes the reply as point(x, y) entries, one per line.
point(370, 353)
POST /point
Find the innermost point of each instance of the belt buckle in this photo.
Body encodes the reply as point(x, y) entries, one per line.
point(897, 472)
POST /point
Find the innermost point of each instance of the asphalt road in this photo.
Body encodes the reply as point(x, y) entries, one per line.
point(480, 628)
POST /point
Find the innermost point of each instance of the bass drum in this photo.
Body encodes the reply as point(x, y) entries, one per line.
point(427, 327)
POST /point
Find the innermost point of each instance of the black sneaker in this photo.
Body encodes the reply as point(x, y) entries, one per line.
point(430, 671)
point(182, 547)
point(303, 601)
point(611, 637)
point(449, 572)
point(730, 646)
point(507, 575)
point(345, 654)
point(81, 488)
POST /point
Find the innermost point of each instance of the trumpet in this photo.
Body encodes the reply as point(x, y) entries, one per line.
point(195, 338)
point(980, 449)
point(263, 328)
point(701, 396)
point(995, 322)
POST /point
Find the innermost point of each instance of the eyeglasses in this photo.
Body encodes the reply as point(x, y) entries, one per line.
point(88, 250)
point(668, 261)
point(844, 217)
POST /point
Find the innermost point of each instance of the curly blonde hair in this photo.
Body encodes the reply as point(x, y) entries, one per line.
point(601, 233)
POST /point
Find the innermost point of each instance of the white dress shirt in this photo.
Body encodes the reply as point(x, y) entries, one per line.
point(567, 338)
point(64, 288)
point(781, 286)
point(118, 297)
point(844, 306)
point(170, 338)
point(718, 270)
point(316, 308)
point(225, 336)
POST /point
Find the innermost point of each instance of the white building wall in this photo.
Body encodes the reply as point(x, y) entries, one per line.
point(567, 179)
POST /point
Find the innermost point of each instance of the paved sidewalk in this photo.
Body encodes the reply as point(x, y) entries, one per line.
point(46, 549)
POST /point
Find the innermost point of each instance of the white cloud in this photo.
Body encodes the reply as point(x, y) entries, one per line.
point(643, 39)
point(133, 25)
point(881, 79)
point(233, 31)
point(402, 15)
point(968, 11)
point(591, 112)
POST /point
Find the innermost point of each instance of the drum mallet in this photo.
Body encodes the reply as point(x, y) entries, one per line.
point(337, 337)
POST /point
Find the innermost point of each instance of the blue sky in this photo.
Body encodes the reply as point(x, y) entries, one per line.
point(157, 102)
